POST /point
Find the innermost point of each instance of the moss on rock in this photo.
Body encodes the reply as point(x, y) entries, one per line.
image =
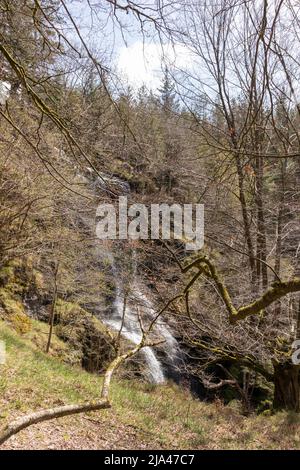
point(13, 311)
point(86, 334)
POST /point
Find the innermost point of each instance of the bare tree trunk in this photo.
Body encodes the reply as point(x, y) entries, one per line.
point(246, 221)
point(278, 248)
point(287, 387)
point(51, 413)
point(52, 311)
point(261, 270)
point(278, 241)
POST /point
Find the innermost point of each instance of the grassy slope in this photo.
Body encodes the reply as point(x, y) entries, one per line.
point(141, 417)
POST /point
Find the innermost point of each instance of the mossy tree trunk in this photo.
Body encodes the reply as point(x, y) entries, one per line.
point(287, 387)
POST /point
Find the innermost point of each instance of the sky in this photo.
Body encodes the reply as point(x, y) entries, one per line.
point(141, 63)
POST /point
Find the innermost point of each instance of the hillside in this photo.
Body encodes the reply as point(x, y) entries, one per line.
point(149, 224)
point(142, 417)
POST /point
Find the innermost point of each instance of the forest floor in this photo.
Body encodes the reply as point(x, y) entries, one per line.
point(142, 417)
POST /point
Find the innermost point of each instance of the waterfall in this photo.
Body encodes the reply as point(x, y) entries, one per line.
point(131, 329)
point(171, 345)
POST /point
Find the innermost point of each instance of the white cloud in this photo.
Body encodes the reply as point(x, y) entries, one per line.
point(142, 63)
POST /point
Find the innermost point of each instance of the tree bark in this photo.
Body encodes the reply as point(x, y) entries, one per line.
point(51, 413)
point(261, 268)
point(287, 389)
point(52, 312)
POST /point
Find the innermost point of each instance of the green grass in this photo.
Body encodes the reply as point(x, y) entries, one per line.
point(163, 416)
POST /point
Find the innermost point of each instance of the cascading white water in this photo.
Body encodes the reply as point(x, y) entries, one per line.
point(171, 345)
point(131, 330)
point(131, 327)
point(155, 372)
